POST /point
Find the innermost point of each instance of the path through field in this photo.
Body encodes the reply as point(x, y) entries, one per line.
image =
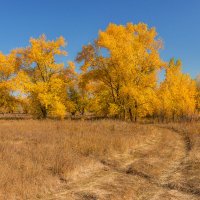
point(154, 169)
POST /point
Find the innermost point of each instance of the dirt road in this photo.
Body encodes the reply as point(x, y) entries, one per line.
point(155, 169)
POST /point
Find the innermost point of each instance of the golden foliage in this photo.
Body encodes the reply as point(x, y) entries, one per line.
point(123, 62)
point(8, 67)
point(177, 92)
point(42, 79)
point(118, 78)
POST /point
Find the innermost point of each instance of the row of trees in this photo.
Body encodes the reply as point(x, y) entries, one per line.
point(118, 78)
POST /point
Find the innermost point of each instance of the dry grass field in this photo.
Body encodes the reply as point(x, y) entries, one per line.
point(90, 160)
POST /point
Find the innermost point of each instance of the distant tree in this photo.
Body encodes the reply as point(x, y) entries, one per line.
point(79, 95)
point(198, 93)
point(9, 65)
point(177, 93)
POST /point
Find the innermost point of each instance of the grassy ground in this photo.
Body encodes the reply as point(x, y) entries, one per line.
point(99, 160)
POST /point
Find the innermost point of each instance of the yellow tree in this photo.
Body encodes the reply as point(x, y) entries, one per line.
point(198, 93)
point(9, 65)
point(42, 79)
point(122, 65)
point(79, 94)
point(177, 93)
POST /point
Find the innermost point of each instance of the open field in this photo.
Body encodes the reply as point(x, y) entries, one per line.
point(92, 160)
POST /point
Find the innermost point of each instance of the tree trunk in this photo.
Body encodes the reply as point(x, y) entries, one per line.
point(136, 112)
point(44, 112)
point(124, 116)
point(135, 118)
point(83, 114)
point(130, 114)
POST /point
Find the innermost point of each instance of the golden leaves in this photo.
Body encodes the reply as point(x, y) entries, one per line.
point(127, 71)
point(177, 92)
point(43, 79)
point(118, 76)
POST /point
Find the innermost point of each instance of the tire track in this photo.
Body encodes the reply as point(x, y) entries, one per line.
point(171, 186)
point(175, 145)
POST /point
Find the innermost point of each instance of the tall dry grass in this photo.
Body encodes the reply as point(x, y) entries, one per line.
point(97, 160)
point(37, 157)
point(188, 174)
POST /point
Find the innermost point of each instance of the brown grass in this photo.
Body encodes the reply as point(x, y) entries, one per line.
point(98, 160)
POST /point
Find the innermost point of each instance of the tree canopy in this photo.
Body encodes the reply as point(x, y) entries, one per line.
point(118, 78)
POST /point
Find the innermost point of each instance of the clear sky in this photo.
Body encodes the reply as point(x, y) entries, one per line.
point(176, 21)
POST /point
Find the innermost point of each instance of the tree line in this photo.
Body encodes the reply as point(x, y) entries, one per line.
point(117, 77)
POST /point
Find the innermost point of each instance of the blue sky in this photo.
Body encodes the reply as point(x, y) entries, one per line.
point(176, 21)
